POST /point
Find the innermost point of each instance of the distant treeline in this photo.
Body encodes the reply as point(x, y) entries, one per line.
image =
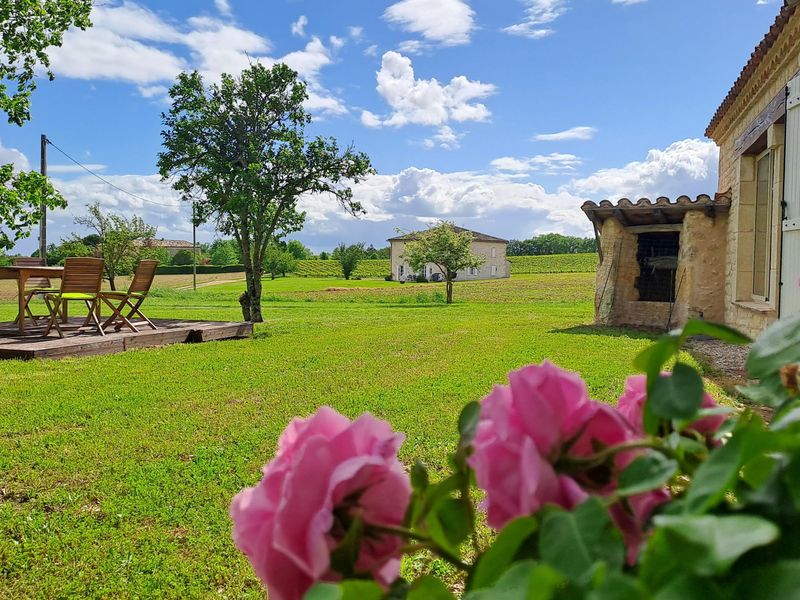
point(551, 243)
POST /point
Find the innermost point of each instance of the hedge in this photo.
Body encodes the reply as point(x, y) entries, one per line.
point(201, 269)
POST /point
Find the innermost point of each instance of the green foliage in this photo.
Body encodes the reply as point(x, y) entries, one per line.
point(298, 250)
point(332, 268)
point(121, 239)
point(324, 255)
point(239, 150)
point(73, 246)
point(21, 198)
point(183, 257)
point(201, 269)
point(154, 253)
point(28, 29)
point(224, 252)
point(554, 263)
point(551, 243)
point(277, 260)
point(443, 246)
point(348, 257)
point(5, 261)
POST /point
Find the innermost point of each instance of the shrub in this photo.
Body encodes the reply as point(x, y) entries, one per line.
point(421, 279)
point(665, 496)
point(388, 278)
point(183, 257)
point(201, 269)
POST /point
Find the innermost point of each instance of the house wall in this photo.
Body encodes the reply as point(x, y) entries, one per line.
point(495, 267)
point(737, 173)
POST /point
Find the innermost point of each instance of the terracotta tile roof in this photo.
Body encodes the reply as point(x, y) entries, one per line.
point(756, 58)
point(476, 236)
point(661, 211)
point(153, 243)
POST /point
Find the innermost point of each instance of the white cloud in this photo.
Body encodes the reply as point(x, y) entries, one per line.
point(299, 26)
point(130, 43)
point(426, 101)
point(630, 2)
point(547, 164)
point(356, 32)
point(445, 22)
point(15, 157)
point(61, 169)
point(539, 14)
point(685, 167)
point(574, 133)
point(371, 50)
point(445, 138)
point(224, 7)
point(411, 47)
point(370, 119)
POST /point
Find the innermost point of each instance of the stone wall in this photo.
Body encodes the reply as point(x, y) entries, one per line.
point(736, 173)
point(699, 277)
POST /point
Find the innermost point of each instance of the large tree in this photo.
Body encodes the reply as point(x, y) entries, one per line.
point(122, 240)
point(349, 257)
point(443, 246)
point(238, 149)
point(21, 198)
point(28, 28)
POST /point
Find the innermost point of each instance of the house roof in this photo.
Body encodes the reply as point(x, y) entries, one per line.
point(162, 243)
point(476, 236)
point(662, 211)
point(756, 58)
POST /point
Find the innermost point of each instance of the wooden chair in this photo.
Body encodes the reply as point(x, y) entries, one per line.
point(132, 299)
point(81, 282)
point(35, 286)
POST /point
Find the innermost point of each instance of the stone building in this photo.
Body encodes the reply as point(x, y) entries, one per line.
point(492, 249)
point(734, 258)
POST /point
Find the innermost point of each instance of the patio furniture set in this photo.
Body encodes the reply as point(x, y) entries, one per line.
point(81, 280)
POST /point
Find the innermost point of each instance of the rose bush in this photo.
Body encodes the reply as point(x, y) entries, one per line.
point(665, 496)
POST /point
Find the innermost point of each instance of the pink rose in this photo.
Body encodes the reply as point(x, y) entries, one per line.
point(520, 432)
point(632, 515)
point(631, 405)
point(327, 470)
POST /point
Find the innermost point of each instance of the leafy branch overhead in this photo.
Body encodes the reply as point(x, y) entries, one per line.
point(21, 199)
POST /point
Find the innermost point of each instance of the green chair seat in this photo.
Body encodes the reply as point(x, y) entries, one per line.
point(44, 291)
point(74, 296)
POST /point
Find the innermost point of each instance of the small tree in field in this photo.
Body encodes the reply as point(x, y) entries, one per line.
point(120, 239)
point(278, 260)
point(349, 257)
point(444, 247)
point(239, 150)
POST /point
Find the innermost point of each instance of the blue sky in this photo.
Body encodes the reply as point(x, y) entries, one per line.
point(502, 115)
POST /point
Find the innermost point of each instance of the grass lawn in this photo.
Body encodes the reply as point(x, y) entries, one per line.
point(116, 471)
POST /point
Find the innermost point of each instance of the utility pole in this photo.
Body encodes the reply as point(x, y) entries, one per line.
point(43, 219)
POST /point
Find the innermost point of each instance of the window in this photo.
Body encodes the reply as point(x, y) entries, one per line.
point(402, 270)
point(494, 252)
point(494, 269)
point(657, 256)
point(763, 226)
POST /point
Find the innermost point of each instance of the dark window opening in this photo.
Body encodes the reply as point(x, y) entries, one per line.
point(658, 262)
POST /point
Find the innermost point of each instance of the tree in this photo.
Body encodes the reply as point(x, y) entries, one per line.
point(239, 150)
point(324, 255)
point(183, 258)
point(28, 28)
point(442, 246)
point(349, 257)
point(146, 251)
point(278, 260)
point(21, 199)
point(551, 243)
point(297, 249)
point(224, 252)
point(121, 239)
point(72, 246)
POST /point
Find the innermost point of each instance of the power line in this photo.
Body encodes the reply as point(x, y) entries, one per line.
point(106, 181)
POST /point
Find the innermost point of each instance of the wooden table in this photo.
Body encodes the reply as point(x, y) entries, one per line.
point(22, 274)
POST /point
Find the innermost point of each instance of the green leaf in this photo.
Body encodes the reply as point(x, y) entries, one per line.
point(777, 347)
point(617, 586)
point(419, 477)
point(647, 472)
point(345, 556)
point(708, 545)
point(689, 587)
point(678, 396)
point(653, 358)
point(496, 559)
point(468, 423)
point(526, 580)
point(773, 581)
point(574, 542)
point(429, 588)
point(449, 524)
point(715, 330)
point(715, 476)
point(767, 392)
point(347, 590)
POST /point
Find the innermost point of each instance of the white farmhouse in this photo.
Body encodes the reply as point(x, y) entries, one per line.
point(491, 249)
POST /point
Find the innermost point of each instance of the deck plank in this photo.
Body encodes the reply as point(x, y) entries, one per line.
point(88, 343)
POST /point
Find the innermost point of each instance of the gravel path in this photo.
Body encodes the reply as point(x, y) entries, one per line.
point(722, 356)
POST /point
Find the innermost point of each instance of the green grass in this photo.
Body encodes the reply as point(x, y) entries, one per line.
point(116, 471)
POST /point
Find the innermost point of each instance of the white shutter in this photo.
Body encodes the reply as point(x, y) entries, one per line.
point(790, 246)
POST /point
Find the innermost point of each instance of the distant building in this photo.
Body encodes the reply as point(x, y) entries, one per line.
point(171, 246)
point(491, 249)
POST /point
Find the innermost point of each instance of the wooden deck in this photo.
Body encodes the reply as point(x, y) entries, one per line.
point(89, 343)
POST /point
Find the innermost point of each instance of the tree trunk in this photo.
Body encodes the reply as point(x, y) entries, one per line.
point(112, 283)
point(449, 291)
point(255, 297)
point(244, 301)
